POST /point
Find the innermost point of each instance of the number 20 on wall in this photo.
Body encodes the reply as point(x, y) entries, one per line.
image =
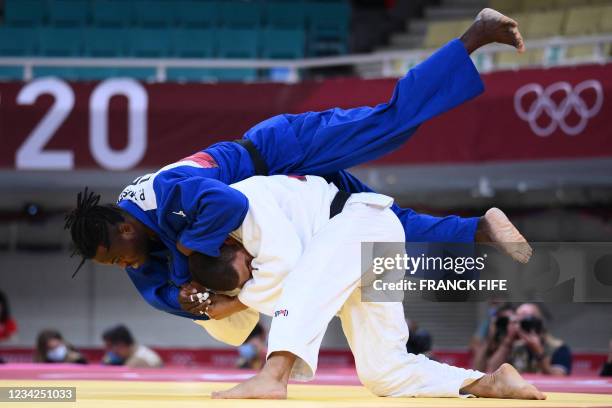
point(31, 155)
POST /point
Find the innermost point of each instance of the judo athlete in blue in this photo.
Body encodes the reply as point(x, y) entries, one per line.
point(188, 206)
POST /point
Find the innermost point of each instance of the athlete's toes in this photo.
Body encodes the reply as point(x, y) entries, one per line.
point(517, 39)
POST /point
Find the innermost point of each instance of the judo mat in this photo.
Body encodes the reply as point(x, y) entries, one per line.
point(109, 387)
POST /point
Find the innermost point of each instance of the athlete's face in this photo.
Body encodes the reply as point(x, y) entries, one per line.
point(242, 265)
point(128, 246)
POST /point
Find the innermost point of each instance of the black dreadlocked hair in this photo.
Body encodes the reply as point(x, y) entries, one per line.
point(88, 225)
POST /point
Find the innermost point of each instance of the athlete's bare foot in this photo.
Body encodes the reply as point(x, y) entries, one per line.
point(505, 382)
point(492, 26)
point(261, 386)
point(270, 383)
point(496, 228)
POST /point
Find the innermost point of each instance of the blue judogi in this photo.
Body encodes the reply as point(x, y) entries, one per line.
point(190, 201)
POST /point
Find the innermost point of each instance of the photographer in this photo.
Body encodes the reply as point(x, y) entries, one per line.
point(495, 331)
point(529, 347)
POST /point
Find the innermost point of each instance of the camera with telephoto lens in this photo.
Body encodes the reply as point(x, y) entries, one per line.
point(501, 327)
point(531, 324)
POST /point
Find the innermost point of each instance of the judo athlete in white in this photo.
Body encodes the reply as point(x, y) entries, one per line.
point(302, 267)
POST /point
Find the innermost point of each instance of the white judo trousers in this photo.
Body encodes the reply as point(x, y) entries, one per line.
point(324, 281)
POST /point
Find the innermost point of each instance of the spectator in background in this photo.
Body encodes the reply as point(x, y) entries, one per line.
point(606, 370)
point(8, 326)
point(52, 348)
point(529, 347)
point(252, 352)
point(121, 349)
point(493, 331)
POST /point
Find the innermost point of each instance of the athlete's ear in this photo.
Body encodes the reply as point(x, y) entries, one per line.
point(126, 229)
point(230, 241)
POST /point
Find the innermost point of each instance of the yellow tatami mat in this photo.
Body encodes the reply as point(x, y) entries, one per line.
point(112, 394)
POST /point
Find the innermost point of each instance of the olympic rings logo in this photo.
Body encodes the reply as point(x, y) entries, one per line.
point(558, 112)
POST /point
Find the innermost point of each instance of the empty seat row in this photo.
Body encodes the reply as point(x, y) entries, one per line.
point(514, 6)
point(146, 42)
point(162, 13)
point(585, 20)
point(144, 73)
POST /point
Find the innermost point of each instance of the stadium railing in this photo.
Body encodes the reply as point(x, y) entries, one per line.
point(387, 64)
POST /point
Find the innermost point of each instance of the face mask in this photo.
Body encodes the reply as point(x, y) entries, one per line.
point(58, 354)
point(247, 351)
point(113, 359)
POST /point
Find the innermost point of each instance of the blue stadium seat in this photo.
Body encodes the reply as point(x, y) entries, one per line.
point(105, 42)
point(149, 42)
point(16, 41)
point(68, 13)
point(241, 14)
point(193, 42)
point(328, 27)
point(10, 73)
point(154, 13)
point(283, 43)
point(191, 74)
point(237, 43)
point(62, 42)
point(62, 72)
point(112, 13)
point(144, 74)
point(93, 73)
point(197, 13)
point(285, 14)
point(235, 74)
point(24, 12)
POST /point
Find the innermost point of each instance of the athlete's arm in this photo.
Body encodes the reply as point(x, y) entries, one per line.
point(204, 211)
point(151, 280)
point(223, 306)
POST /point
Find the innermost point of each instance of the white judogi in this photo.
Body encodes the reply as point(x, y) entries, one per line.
point(307, 268)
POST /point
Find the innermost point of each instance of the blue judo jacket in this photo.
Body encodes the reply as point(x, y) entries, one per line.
point(190, 201)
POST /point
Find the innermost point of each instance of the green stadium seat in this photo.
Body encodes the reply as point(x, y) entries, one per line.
point(10, 73)
point(193, 42)
point(61, 72)
point(18, 41)
point(505, 6)
point(527, 6)
point(154, 13)
point(93, 73)
point(112, 13)
point(191, 74)
point(285, 14)
point(283, 43)
point(237, 43)
point(582, 21)
point(440, 32)
point(144, 74)
point(328, 27)
point(241, 14)
point(68, 12)
point(544, 24)
point(561, 4)
point(236, 74)
point(61, 42)
point(149, 42)
point(194, 13)
point(105, 42)
point(605, 24)
point(24, 12)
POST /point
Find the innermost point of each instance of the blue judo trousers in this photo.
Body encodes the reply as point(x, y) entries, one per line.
point(193, 204)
